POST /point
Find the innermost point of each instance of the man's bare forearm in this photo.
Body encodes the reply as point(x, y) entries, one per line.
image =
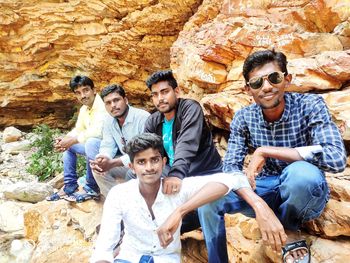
point(208, 193)
point(280, 153)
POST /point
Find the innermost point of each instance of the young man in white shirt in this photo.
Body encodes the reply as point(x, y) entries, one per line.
point(144, 208)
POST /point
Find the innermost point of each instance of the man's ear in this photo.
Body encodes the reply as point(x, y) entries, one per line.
point(177, 91)
point(247, 89)
point(164, 161)
point(126, 100)
point(288, 78)
point(131, 166)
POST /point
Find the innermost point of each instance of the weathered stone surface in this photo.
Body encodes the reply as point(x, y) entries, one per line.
point(339, 106)
point(62, 232)
point(11, 216)
point(220, 108)
point(43, 44)
point(28, 192)
point(16, 147)
point(313, 34)
point(334, 221)
point(245, 247)
point(57, 182)
point(11, 134)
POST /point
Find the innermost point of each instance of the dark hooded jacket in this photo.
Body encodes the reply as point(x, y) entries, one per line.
point(194, 149)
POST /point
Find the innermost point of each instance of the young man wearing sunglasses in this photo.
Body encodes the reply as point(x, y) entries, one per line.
point(294, 141)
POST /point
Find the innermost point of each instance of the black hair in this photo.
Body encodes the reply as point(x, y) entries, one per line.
point(79, 81)
point(163, 75)
point(260, 58)
point(112, 88)
point(143, 142)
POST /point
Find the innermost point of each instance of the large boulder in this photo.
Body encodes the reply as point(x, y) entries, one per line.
point(28, 192)
point(11, 134)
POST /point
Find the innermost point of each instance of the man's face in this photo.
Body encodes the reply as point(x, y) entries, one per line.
point(148, 166)
point(85, 95)
point(268, 96)
point(115, 104)
point(164, 96)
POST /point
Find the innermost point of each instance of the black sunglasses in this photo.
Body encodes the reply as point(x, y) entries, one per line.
point(273, 78)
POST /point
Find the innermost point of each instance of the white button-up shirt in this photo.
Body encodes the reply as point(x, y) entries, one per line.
point(124, 202)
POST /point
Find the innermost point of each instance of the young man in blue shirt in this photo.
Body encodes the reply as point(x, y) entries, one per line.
point(124, 122)
point(294, 141)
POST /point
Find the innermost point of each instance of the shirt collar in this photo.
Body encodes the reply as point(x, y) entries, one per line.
point(97, 102)
point(285, 115)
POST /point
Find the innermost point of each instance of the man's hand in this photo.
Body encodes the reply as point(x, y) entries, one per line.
point(255, 166)
point(63, 144)
point(171, 185)
point(167, 229)
point(271, 229)
point(57, 146)
point(103, 164)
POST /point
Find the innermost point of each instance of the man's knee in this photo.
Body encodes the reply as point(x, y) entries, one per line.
point(300, 175)
point(92, 146)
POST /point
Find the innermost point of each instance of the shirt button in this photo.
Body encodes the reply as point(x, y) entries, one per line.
point(154, 246)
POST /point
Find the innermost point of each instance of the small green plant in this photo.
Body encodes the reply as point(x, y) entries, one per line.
point(45, 162)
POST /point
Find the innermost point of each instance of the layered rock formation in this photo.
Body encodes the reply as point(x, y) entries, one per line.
point(44, 43)
point(315, 35)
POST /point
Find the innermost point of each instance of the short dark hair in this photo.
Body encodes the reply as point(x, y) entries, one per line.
point(162, 75)
point(113, 88)
point(143, 142)
point(79, 81)
point(260, 58)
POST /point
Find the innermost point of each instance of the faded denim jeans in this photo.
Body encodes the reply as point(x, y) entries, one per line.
point(298, 195)
point(89, 149)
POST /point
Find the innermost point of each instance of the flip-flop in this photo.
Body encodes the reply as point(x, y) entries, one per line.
point(82, 197)
point(55, 197)
point(293, 246)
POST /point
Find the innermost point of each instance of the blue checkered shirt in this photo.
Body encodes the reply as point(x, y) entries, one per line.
point(305, 122)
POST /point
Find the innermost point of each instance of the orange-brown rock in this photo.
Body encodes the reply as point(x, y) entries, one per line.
point(43, 44)
point(225, 32)
point(62, 232)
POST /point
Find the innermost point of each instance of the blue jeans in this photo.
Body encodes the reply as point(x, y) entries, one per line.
point(89, 149)
point(143, 259)
point(298, 195)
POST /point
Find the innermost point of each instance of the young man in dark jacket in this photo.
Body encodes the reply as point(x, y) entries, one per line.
point(187, 139)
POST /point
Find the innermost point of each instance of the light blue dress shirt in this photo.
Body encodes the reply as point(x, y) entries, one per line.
point(114, 137)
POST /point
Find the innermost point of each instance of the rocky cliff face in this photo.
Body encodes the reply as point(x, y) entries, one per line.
point(315, 35)
point(44, 43)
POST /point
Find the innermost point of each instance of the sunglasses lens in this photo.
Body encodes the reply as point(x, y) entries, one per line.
point(256, 83)
point(275, 77)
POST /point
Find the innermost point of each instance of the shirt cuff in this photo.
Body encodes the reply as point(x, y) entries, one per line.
point(308, 152)
point(105, 154)
point(125, 159)
point(81, 138)
point(239, 180)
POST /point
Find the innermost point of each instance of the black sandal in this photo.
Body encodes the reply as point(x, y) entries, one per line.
point(297, 245)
